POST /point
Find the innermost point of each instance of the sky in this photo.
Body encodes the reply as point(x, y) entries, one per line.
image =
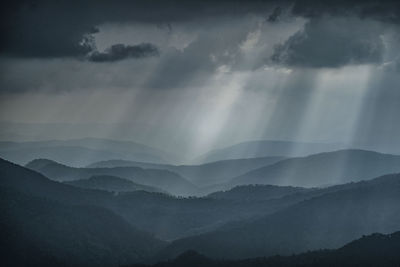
point(194, 75)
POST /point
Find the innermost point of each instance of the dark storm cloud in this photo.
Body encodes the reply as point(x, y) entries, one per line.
point(202, 57)
point(120, 51)
point(44, 28)
point(384, 10)
point(54, 29)
point(332, 42)
point(275, 14)
point(392, 66)
point(38, 29)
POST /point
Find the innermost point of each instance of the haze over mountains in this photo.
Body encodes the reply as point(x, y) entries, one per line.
point(317, 170)
point(125, 204)
point(246, 221)
point(323, 169)
point(327, 221)
point(112, 184)
point(81, 152)
point(263, 148)
point(148, 211)
point(258, 218)
point(163, 179)
point(199, 133)
point(202, 175)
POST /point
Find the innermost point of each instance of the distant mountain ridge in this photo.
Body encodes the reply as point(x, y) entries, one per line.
point(264, 148)
point(112, 184)
point(164, 179)
point(81, 152)
point(201, 175)
point(268, 221)
point(165, 216)
point(257, 192)
point(328, 168)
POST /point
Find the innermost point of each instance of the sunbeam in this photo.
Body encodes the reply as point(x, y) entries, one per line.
point(200, 133)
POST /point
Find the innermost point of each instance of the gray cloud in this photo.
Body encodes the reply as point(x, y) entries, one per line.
point(275, 14)
point(332, 42)
point(392, 66)
point(48, 29)
point(120, 51)
point(384, 10)
point(218, 38)
point(217, 43)
point(44, 28)
point(214, 42)
point(40, 29)
point(226, 93)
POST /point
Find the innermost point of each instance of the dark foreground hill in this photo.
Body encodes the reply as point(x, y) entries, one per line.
point(369, 251)
point(165, 216)
point(282, 222)
point(170, 218)
point(38, 231)
point(326, 221)
point(48, 223)
point(323, 169)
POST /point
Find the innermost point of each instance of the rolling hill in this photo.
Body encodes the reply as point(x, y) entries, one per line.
point(257, 192)
point(46, 223)
point(266, 148)
point(163, 179)
point(323, 169)
point(81, 152)
point(112, 184)
point(248, 221)
point(202, 175)
point(327, 221)
point(372, 250)
point(165, 216)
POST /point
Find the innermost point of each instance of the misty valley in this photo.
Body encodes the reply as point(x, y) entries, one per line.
point(200, 133)
point(312, 210)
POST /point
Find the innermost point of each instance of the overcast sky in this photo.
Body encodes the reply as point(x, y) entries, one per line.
point(193, 75)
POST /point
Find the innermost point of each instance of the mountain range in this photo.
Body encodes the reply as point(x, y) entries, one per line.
point(112, 184)
point(163, 179)
point(201, 175)
point(81, 152)
point(264, 148)
point(372, 250)
point(167, 217)
point(49, 223)
point(323, 169)
point(61, 219)
point(328, 220)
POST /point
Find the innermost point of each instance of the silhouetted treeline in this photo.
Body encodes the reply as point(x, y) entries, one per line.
point(373, 250)
point(49, 223)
